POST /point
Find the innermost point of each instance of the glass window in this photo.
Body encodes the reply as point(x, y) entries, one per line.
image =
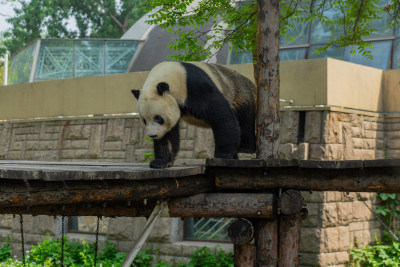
point(321, 33)
point(55, 60)
point(207, 228)
point(292, 54)
point(332, 52)
point(119, 55)
point(382, 26)
point(380, 53)
point(297, 34)
point(21, 65)
point(89, 58)
point(241, 58)
point(396, 54)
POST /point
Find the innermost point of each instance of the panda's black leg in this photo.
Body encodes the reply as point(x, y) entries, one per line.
point(165, 149)
point(226, 131)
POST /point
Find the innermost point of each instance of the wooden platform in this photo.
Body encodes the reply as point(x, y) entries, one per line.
point(125, 189)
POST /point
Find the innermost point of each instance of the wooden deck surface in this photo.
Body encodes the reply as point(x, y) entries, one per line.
point(118, 189)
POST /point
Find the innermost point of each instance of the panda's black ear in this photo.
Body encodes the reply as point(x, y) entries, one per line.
point(162, 88)
point(136, 93)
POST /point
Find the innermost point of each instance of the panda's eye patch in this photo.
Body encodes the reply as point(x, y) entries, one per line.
point(159, 120)
point(144, 121)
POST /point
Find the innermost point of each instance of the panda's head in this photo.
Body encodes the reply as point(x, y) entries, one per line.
point(158, 109)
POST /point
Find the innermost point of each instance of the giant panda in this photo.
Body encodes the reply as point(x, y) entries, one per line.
point(203, 94)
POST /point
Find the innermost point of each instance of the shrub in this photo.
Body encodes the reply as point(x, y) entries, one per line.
point(48, 253)
point(377, 255)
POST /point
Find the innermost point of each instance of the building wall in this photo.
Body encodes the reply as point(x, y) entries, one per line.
point(337, 221)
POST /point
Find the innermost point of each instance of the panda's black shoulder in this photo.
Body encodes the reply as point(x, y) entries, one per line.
point(197, 79)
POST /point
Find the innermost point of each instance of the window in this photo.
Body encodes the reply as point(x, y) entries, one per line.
point(303, 39)
point(215, 229)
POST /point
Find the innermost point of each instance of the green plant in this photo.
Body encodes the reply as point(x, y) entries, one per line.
point(389, 209)
point(148, 155)
point(204, 257)
point(5, 251)
point(377, 255)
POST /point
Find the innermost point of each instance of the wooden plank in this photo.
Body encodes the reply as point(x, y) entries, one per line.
point(331, 164)
point(235, 163)
point(54, 172)
point(281, 163)
point(223, 205)
point(381, 163)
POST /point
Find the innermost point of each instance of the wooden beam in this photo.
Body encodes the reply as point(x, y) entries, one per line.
point(384, 179)
point(223, 205)
point(31, 193)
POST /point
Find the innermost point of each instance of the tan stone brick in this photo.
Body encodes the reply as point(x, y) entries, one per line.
point(163, 231)
point(186, 144)
point(361, 212)
point(356, 226)
point(289, 127)
point(310, 240)
point(115, 129)
point(317, 152)
point(330, 239)
point(313, 127)
point(286, 151)
point(302, 151)
point(344, 238)
point(363, 154)
point(332, 129)
point(313, 197)
point(314, 211)
point(190, 132)
point(329, 259)
point(334, 151)
point(357, 142)
point(393, 154)
point(333, 196)
point(112, 154)
point(345, 212)
point(393, 143)
point(329, 215)
point(203, 143)
point(308, 259)
point(113, 145)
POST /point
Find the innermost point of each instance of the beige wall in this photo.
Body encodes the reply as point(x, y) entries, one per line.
point(309, 83)
point(354, 86)
point(391, 96)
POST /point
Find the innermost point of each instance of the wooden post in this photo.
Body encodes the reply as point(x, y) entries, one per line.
point(241, 232)
point(266, 242)
point(289, 240)
point(290, 204)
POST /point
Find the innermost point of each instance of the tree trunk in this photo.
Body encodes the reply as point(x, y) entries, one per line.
point(267, 79)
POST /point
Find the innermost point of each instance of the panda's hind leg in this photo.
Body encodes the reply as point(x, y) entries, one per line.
point(246, 117)
point(165, 149)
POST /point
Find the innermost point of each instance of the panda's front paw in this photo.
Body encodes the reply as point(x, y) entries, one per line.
point(160, 164)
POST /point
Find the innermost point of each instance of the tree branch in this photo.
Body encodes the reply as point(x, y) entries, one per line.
point(109, 14)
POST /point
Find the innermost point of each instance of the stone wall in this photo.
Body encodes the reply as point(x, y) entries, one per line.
point(337, 221)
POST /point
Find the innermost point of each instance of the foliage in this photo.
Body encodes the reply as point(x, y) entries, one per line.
point(148, 155)
point(5, 251)
point(377, 255)
point(389, 209)
point(48, 252)
point(50, 19)
point(240, 17)
point(205, 258)
point(75, 254)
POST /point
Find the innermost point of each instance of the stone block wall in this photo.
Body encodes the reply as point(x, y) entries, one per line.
point(336, 221)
